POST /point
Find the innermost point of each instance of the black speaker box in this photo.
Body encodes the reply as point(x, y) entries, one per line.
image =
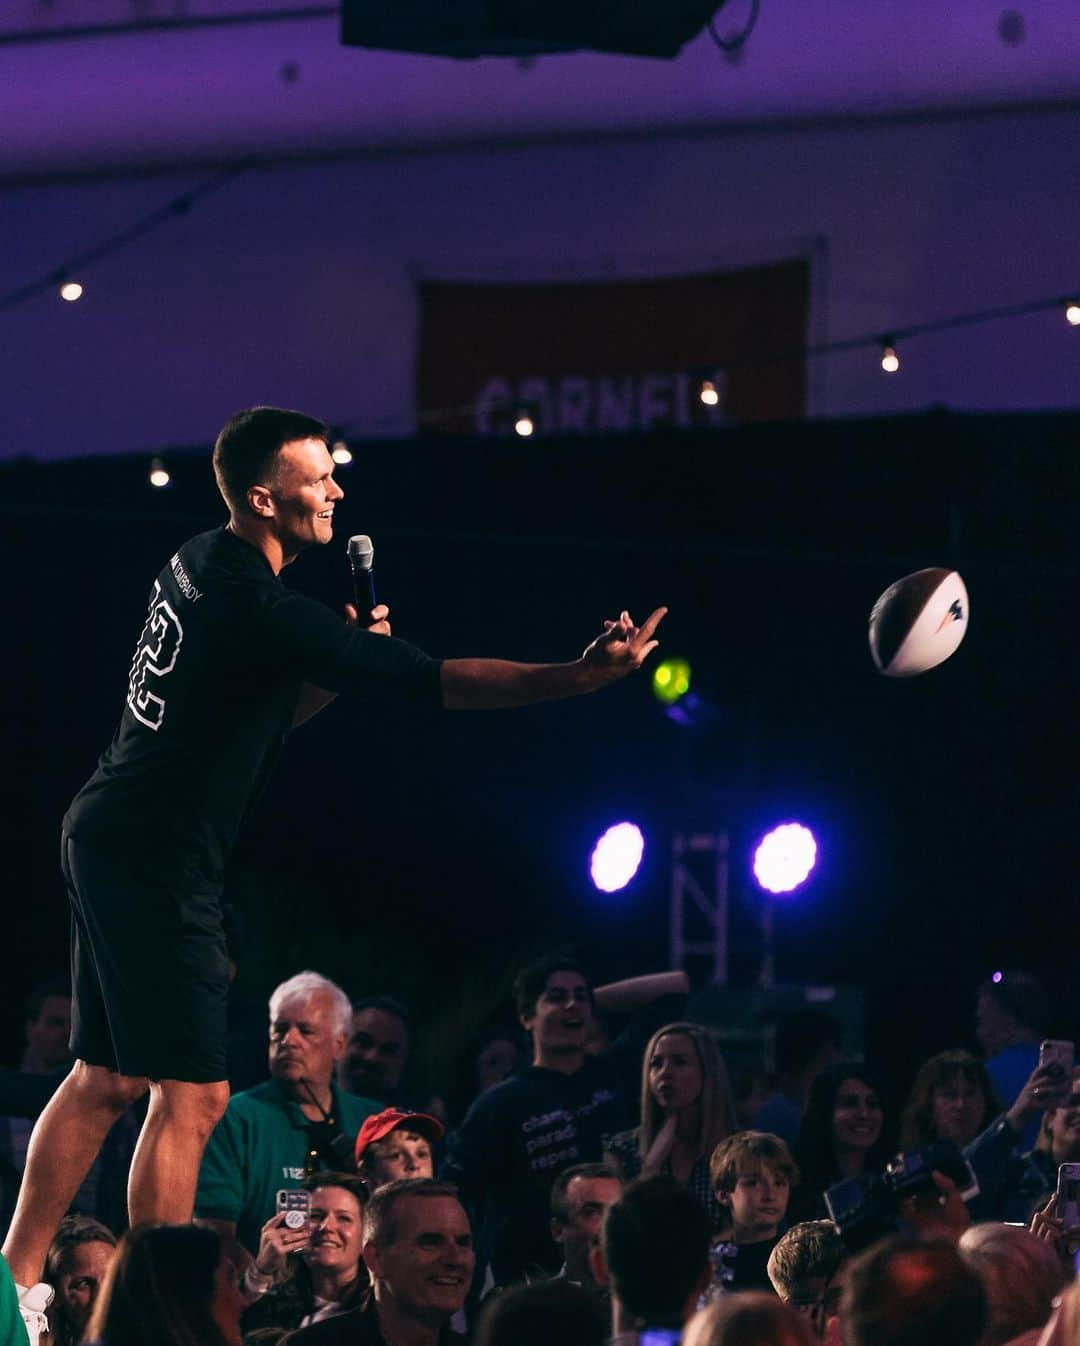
point(468, 28)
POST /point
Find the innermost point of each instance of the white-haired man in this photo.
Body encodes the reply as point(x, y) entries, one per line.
point(280, 1132)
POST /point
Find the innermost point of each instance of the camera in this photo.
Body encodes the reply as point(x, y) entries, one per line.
point(866, 1208)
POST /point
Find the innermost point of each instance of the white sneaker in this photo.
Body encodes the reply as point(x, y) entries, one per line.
point(33, 1302)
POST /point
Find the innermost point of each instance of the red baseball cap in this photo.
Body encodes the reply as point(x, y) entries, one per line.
point(382, 1123)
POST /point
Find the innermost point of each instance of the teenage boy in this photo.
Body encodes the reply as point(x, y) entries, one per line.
point(752, 1176)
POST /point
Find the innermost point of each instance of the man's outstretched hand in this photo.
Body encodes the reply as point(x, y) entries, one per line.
point(623, 647)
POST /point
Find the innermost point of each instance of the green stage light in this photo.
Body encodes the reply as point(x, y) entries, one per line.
point(671, 681)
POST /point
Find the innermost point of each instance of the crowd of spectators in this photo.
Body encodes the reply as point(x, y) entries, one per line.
point(585, 1188)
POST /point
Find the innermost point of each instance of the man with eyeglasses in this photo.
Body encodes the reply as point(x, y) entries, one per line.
point(559, 1112)
point(807, 1269)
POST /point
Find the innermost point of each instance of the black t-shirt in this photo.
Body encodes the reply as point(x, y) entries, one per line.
point(212, 690)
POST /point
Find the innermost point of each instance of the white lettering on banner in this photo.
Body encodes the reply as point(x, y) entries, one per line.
point(575, 403)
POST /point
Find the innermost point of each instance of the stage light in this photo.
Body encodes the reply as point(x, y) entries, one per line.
point(616, 857)
point(671, 681)
point(341, 453)
point(71, 290)
point(159, 473)
point(996, 978)
point(784, 858)
point(1072, 313)
point(523, 424)
point(709, 393)
point(890, 361)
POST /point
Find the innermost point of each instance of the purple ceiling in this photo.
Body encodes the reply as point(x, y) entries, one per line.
point(279, 87)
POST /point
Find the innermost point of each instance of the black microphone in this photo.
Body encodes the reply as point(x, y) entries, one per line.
point(361, 555)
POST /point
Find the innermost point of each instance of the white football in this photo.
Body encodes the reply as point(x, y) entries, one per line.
point(918, 622)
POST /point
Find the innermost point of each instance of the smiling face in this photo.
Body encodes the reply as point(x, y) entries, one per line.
point(675, 1075)
point(561, 1019)
point(401, 1154)
point(857, 1116)
point(304, 1041)
point(958, 1109)
point(77, 1286)
point(301, 496)
point(426, 1263)
point(336, 1224)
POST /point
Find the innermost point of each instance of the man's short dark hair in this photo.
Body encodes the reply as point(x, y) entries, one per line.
point(388, 1004)
point(58, 988)
point(530, 981)
point(656, 1246)
point(801, 1036)
point(903, 1292)
point(245, 450)
point(1019, 994)
point(379, 1211)
point(560, 1204)
point(543, 1313)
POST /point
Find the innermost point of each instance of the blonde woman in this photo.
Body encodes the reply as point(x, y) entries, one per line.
point(686, 1110)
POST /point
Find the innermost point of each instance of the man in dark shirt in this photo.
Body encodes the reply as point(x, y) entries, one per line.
point(228, 661)
point(561, 1111)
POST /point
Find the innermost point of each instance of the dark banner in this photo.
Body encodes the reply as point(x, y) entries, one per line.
point(614, 356)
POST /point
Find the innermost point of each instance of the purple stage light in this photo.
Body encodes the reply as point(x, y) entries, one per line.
point(616, 857)
point(784, 858)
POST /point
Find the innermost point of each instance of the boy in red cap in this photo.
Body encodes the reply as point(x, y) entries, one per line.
point(396, 1144)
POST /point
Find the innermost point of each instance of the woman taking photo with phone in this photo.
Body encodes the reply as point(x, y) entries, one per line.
point(686, 1110)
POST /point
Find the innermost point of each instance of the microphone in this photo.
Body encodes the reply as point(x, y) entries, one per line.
point(361, 555)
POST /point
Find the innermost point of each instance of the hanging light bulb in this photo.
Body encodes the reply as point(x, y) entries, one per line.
point(709, 393)
point(341, 453)
point(71, 290)
point(890, 361)
point(159, 473)
point(523, 423)
point(1072, 312)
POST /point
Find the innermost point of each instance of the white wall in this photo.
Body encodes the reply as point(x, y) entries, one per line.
point(295, 285)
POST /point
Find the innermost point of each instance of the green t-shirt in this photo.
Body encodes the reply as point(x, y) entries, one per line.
point(12, 1329)
point(258, 1148)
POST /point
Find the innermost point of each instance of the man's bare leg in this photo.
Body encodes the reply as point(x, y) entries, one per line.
point(165, 1168)
point(64, 1143)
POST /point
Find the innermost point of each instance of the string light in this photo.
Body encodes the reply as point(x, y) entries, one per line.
point(890, 361)
point(709, 393)
point(71, 290)
point(159, 473)
point(341, 453)
point(523, 423)
point(1072, 313)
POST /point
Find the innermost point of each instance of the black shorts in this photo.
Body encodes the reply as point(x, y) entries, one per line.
point(149, 969)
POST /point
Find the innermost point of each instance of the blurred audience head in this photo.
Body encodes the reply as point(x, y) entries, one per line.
point(169, 1285)
point(497, 1056)
point(843, 1128)
point(47, 1026)
point(396, 1144)
point(554, 1002)
point(1022, 1276)
point(683, 1072)
point(805, 1042)
point(309, 1025)
point(418, 1251)
point(380, 1031)
point(807, 1268)
point(580, 1196)
point(549, 1313)
point(952, 1098)
point(1010, 1007)
point(903, 1292)
point(654, 1252)
point(1059, 1134)
point(752, 1174)
point(749, 1319)
point(76, 1264)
